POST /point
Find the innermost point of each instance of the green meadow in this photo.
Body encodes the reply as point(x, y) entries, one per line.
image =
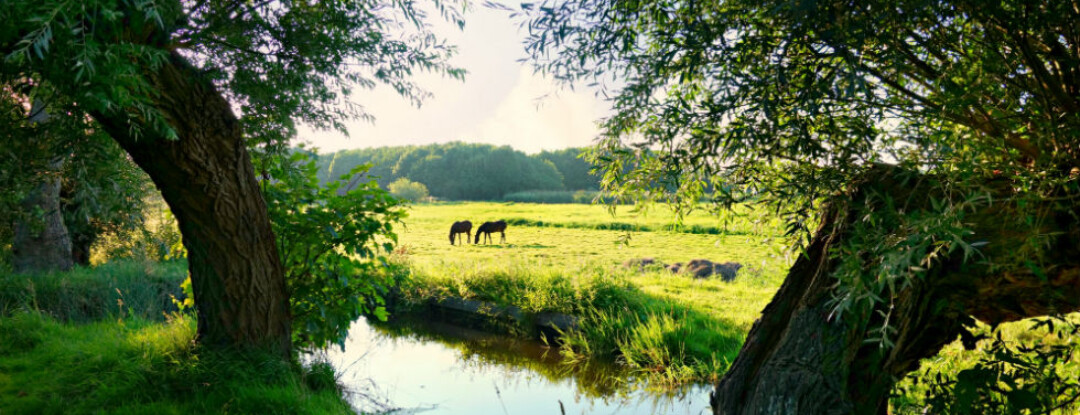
point(577, 235)
point(568, 258)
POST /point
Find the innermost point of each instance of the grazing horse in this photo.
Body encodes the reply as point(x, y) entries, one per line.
point(464, 227)
point(490, 227)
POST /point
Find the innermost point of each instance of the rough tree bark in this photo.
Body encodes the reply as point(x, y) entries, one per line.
point(207, 178)
point(42, 244)
point(796, 360)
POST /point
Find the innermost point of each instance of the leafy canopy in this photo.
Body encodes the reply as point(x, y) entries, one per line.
point(279, 62)
point(794, 98)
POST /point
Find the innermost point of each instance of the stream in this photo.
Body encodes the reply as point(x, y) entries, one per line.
point(426, 367)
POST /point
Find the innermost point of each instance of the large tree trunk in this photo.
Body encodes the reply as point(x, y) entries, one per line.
point(41, 243)
point(207, 178)
point(800, 359)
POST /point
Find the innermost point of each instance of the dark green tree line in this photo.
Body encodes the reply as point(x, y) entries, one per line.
point(459, 171)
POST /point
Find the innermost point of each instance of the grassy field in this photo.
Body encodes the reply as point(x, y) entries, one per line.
point(672, 326)
point(574, 236)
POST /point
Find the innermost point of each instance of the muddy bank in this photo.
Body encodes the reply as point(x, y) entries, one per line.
point(488, 316)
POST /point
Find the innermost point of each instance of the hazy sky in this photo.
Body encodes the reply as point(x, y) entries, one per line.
point(500, 102)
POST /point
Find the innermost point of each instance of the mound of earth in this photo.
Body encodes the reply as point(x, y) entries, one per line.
point(698, 268)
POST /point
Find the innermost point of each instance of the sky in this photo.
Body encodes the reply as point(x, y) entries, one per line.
point(501, 101)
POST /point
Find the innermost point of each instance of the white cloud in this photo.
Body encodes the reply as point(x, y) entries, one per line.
point(501, 101)
point(536, 115)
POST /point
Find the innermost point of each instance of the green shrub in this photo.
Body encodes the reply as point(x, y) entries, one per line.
point(1025, 367)
point(408, 190)
point(157, 239)
point(333, 244)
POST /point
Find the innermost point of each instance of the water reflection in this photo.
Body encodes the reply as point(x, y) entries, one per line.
point(434, 368)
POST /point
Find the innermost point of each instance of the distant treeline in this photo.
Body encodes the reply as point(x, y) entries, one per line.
point(462, 171)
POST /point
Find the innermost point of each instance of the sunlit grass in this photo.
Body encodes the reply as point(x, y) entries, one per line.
point(134, 366)
point(103, 340)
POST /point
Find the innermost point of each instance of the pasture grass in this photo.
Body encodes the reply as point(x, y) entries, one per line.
point(669, 328)
point(743, 221)
point(669, 332)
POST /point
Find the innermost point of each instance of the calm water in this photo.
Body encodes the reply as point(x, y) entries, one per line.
point(432, 368)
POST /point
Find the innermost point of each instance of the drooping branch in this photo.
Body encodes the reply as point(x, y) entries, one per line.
point(800, 358)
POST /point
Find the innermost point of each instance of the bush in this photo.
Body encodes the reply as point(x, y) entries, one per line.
point(156, 239)
point(409, 190)
point(333, 244)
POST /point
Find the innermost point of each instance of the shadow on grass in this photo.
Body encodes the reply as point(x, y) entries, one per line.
point(624, 226)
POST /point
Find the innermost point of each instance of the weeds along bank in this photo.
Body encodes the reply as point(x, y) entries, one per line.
point(108, 340)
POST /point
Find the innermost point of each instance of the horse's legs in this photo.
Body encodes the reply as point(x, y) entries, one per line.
point(503, 240)
point(468, 237)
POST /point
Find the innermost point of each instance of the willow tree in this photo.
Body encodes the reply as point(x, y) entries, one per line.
point(928, 150)
point(166, 80)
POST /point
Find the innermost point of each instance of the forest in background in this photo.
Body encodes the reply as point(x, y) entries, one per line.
point(465, 171)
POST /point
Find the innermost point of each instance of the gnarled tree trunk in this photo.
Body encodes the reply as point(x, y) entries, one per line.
point(207, 178)
point(42, 245)
point(798, 359)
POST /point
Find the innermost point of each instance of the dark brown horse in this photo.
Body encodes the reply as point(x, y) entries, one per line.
point(464, 227)
point(490, 227)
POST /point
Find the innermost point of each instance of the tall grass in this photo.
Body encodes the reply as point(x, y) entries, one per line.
point(105, 340)
point(667, 340)
point(122, 288)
